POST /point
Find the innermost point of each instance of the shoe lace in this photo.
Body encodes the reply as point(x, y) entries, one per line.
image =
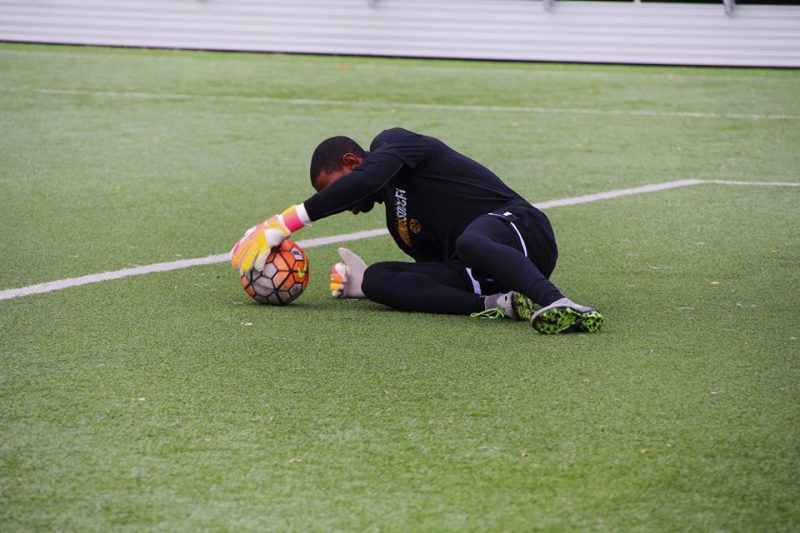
point(494, 312)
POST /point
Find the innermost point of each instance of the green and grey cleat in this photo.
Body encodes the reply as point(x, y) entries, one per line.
point(565, 315)
point(513, 305)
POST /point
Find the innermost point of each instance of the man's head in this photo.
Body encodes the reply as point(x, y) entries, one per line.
point(332, 159)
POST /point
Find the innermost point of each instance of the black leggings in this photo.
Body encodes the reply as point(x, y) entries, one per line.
point(491, 247)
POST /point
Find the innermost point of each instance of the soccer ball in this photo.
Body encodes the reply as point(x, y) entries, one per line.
point(284, 278)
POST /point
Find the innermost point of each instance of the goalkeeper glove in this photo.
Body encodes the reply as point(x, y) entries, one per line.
point(252, 249)
point(346, 277)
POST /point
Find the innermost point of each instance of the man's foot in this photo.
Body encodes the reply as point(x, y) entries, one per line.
point(513, 305)
point(565, 315)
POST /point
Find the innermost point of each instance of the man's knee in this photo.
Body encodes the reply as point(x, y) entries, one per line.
point(374, 281)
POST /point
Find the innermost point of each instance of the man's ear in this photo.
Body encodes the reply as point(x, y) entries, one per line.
point(350, 161)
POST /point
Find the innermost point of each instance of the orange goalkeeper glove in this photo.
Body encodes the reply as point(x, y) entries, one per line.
point(252, 249)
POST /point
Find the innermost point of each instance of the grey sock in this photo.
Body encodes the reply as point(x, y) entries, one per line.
point(490, 302)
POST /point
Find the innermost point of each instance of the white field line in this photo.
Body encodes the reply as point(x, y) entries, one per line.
point(411, 105)
point(751, 183)
point(51, 286)
point(354, 63)
point(586, 198)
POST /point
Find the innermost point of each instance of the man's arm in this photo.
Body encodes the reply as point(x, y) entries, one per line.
point(252, 249)
point(350, 190)
point(391, 150)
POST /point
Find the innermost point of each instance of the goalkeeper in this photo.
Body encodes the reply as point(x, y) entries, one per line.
point(479, 248)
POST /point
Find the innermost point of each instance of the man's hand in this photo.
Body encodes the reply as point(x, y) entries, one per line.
point(251, 251)
point(346, 277)
point(254, 247)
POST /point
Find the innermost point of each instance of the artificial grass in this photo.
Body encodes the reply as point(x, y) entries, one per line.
point(171, 402)
point(100, 159)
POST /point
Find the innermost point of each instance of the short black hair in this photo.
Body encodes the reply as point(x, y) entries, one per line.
point(328, 155)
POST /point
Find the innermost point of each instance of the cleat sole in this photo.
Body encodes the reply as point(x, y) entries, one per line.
point(589, 322)
point(562, 319)
point(523, 306)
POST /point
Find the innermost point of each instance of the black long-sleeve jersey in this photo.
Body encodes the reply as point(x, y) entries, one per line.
point(430, 191)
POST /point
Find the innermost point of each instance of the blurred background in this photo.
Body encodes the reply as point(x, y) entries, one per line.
point(719, 33)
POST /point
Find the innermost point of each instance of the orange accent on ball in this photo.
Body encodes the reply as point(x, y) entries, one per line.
point(284, 278)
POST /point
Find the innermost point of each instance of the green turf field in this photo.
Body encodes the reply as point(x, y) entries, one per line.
point(170, 402)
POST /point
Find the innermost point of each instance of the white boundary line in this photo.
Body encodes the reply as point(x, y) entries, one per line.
point(276, 60)
point(409, 105)
point(51, 286)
